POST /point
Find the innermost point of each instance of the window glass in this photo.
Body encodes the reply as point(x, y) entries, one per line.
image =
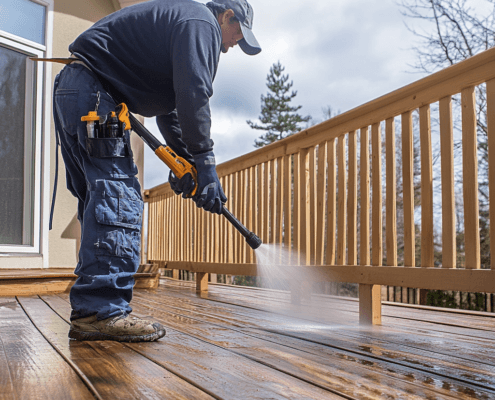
point(16, 150)
point(23, 18)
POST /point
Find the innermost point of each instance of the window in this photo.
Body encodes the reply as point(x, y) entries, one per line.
point(22, 24)
point(23, 18)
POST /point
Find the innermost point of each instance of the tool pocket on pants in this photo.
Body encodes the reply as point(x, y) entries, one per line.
point(108, 147)
point(118, 205)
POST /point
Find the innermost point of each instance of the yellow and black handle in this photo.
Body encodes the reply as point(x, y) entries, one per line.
point(177, 164)
point(179, 167)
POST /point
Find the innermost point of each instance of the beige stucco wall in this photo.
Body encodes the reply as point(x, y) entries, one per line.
point(72, 17)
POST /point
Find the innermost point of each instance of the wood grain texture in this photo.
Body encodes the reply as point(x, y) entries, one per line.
point(352, 217)
point(103, 362)
point(331, 202)
point(342, 202)
point(464, 280)
point(427, 246)
point(370, 310)
point(35, 370)
point(449, 253)
point(391, 194)
point(408, 189)
point(404, 348)
point(490, 112)
point(364, 172)
point(377, 202)
point(470, 178)
point(321, 203)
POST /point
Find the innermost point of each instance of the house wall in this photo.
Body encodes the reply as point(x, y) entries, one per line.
point(66, 19)
point(72, 17)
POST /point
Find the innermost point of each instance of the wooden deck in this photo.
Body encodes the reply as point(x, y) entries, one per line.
point(241, 343)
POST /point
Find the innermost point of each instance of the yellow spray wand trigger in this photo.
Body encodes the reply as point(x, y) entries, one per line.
point(124, 115)
point(177, 164)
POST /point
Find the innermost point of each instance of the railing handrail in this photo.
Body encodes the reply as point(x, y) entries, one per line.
point(449, 81)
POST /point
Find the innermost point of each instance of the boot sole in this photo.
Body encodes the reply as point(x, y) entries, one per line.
point(81, 335)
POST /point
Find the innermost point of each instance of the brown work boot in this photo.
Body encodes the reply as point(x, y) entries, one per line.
point(123, 328)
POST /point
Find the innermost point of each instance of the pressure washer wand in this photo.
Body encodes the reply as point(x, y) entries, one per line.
point(252, 240)
point(179, 167)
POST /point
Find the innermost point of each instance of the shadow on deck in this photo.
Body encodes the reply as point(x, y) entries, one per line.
point(243, 343)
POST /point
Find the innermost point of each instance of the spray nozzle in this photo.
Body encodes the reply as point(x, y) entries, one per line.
point(252, 240)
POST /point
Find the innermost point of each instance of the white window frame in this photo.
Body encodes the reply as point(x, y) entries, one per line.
point(41, 131)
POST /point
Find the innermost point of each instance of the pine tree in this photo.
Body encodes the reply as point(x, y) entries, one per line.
point(278, 117)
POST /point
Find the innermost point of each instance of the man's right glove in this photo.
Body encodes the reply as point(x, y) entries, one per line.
point(209, 194)
point(184, 185)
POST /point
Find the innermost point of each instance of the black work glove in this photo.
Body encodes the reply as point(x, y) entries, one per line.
point(209, 194)
point(184, 185)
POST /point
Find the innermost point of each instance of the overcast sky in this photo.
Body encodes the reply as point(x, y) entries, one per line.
point(339, 53)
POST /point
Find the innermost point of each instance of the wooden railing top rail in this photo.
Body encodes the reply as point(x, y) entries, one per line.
point(450, 81)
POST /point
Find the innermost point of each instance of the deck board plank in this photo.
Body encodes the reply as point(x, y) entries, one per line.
point(222, 371)
point(116, 371)
point(295, 333)
point(6, 385)
point(478, 348)
point(36, 369)
point(335, 373)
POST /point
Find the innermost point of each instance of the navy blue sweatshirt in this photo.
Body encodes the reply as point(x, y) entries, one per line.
point(159, 57)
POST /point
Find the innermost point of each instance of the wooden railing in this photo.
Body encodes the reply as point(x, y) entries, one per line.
point(303, 192)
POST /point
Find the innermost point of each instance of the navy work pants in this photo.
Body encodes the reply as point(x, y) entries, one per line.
point(101, 174)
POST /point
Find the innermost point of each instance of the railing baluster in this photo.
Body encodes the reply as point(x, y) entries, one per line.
point(364, 255)
point(470, 179)
point(320, 211)
point(254, 195)
point(261, 191)
point(296, 254)
point(352, 201)
point(312, 205)
point(391, 214)
point(304, 223)
point(230, 229)
point(266, 203)
point(237, 213)
point(391, 200)
point(272, 200)
point(426, 188)
point(331, 202)
point(243, 212)
point(448, 193)
point(288, 202)
point(408, 190)
point(490, 112)
point(280, 200)
point(342, 202)
point(248, 213)
point(377, 204)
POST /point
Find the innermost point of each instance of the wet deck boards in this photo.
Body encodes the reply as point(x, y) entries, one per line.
point(236, 343)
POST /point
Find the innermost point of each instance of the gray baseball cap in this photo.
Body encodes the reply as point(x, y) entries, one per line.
point(244, 13)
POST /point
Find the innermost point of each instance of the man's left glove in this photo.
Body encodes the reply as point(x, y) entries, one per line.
point(209, 195)
point(184, 185)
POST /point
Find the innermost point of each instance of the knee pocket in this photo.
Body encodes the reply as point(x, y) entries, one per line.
point(118, 243)
point(118, 206)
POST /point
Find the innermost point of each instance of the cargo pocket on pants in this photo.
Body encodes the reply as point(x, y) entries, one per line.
point(118, 205)
point(118, 243)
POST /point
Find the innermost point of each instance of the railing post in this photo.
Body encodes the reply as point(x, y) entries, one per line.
point(201, 282)
point(370, 305)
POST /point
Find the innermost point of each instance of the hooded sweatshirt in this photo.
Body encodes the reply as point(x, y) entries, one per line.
point(160, 58)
